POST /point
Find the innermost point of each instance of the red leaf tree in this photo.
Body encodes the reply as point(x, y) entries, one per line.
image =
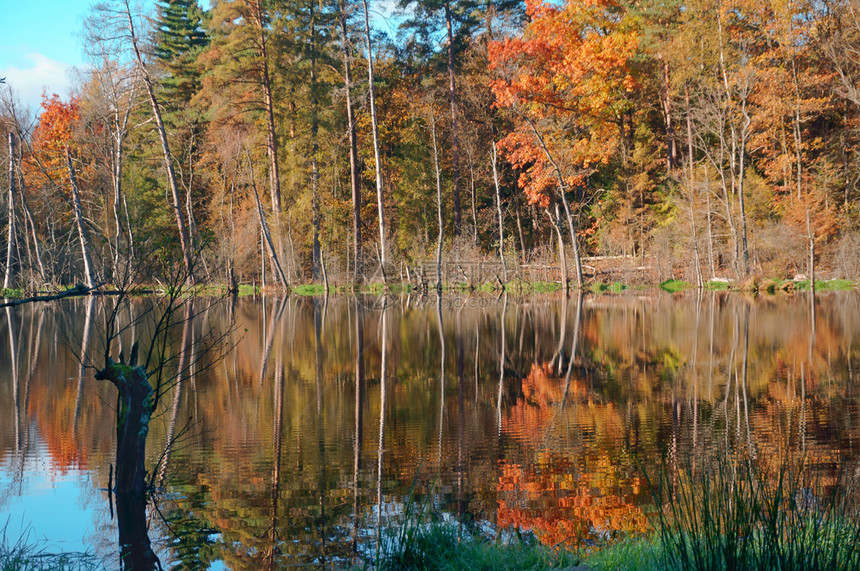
point(567, 83)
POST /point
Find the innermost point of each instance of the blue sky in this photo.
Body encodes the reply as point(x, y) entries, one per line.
point(39, 45)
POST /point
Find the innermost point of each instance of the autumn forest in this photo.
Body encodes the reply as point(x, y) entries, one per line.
point(286, 143)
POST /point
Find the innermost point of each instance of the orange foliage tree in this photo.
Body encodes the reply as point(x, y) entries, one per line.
point(567, 82)
point(54, 146)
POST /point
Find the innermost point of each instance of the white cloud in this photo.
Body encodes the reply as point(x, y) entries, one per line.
point(42, 73)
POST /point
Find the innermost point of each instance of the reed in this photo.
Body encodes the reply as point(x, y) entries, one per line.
point(735, 513)
point(28, 554)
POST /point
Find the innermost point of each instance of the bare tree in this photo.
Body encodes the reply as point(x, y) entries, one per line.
point(113, 94)
point(438, 171)
point(151, 370)
point(83, 235)
point(377, 160)
point(10, 223)
point(354, 182)
point(499, 213)
point(119, 26)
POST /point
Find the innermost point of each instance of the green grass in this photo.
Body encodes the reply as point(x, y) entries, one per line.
point(447, 546)
point(614, 287)
point(24, 554)
point(641, 553)
point(308, 289)
point(245, 289)
point(769, 286)
point(544, 287)
point(673, 286)
point(373, 289)
point(718, 511)
point(829, 285)
point(12, 293)
point(726, 512)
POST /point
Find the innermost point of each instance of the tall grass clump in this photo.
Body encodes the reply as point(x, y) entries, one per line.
point(27, 554)
point(733, 513)
point(425, 540)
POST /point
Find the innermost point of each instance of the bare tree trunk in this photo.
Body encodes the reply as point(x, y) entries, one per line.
point(741, 179)
point(376, 155)
point(699, 280)
point(271, 137)
point(811, 237)
point(10, 228)
point(438, 203)
point(562, 257)
point(37, 249)
point(737, 154)
point(666, 103)
point(267, 237)
point(135, 405)
point(455, 141)
point(314, 148)
point(116, 179)
point(711, 268)
point(501, 218)
point(165, 147)
point(120, 128)
point(354, 183)
point(798, 139)
point(79, 220)
point(474, 202)
point(577, 261)
point(520, 229)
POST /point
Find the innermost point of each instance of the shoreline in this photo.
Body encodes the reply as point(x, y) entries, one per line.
point(754, 286)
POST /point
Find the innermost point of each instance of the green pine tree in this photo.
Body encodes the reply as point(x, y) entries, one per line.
point(179, 39)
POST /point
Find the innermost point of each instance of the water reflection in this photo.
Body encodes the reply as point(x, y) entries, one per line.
point(304, 443)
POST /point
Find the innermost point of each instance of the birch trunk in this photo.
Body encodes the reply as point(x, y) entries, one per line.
point(455, 140)
point(79, 221)
point(10, 227)
point(700, 282)
point(376, 155)
point(32, 224)
point(499, 212)
point(353, 148)
point(267, 237)
point(314, 147)
point(556, 225)
point(438, 205)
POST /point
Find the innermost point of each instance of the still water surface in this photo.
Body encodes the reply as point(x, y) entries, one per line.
point(533, 412)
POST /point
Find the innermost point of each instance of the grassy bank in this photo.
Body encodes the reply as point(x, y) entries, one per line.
point(516, 287)
point(720, 512)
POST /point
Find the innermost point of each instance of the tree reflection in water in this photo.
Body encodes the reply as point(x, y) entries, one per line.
point(294, 457)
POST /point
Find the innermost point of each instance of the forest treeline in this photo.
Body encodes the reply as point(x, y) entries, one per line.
point(285, 142)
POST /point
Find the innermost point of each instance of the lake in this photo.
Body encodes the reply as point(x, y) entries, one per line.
point(328, 421)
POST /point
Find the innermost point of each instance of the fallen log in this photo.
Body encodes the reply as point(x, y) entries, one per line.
point(79, 289)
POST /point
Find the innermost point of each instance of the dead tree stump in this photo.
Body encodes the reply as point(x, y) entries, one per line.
point(135, 405)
